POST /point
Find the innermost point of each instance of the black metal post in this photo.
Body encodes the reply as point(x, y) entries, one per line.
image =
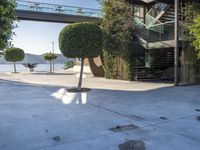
point(176, 48)
point(53, 54)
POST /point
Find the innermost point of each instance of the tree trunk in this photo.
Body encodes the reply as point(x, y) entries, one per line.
point(81, 75)
point(15, 67)
point(50, 66)
point(53, 65)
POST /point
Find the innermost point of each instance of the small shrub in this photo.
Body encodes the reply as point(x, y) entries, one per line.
point(69, 64)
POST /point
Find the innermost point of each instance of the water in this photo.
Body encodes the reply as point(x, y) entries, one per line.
point(20, 67)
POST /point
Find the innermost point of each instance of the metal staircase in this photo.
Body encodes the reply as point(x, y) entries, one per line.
point(154, 65)
point(169, 15)
point(156, 34)
point(158, 29)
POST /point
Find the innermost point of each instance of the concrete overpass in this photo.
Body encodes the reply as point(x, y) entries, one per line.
point(26, 10)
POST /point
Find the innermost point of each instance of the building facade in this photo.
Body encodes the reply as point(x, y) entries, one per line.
point(160, 31)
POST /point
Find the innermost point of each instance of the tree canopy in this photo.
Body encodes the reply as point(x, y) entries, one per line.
point(49, 56)
point(81, 40)
point(7, 18)
point(14, 54)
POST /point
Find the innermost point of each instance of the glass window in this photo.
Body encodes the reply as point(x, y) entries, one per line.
point(139, 12)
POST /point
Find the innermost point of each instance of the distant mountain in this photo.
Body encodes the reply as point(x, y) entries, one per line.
point(31, 58)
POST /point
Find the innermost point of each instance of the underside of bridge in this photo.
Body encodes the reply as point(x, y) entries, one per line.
point(57, 18)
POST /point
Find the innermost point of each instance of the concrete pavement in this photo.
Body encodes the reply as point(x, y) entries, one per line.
point(43, 116)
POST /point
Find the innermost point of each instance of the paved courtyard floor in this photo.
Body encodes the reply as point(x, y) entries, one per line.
point(37, 113)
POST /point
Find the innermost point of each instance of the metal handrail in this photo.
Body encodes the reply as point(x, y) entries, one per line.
point(33, 2)
point(156, 18)
point(167, 22)
point(157, 32)
point(151, 26)
point(53, 8)
point(138, 20)
point(148, 13)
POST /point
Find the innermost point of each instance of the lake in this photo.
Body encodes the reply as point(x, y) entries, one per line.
point(20, 67)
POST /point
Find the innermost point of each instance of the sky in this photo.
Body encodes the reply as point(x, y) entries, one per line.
point(36, 37)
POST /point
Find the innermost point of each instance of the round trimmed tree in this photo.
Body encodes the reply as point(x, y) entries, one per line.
point(81, 40)
point(50, 57)
point(14, 55)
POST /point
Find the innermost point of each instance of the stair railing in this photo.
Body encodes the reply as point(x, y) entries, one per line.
point(155, 13)
point(138, 23)
point(157, 32)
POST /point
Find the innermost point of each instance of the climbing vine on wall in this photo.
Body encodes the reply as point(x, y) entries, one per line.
point(190, 65)
point(194, 26)
point(118, 29)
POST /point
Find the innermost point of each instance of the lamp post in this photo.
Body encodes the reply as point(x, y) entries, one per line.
point(53, 54)
point(176, 39)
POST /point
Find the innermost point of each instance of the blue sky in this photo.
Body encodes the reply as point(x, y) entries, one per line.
point(36, 37)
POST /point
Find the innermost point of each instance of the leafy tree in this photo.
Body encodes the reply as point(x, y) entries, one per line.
point(50, 57)
point(81, 40)
point(7, 18)
point(14, 55)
